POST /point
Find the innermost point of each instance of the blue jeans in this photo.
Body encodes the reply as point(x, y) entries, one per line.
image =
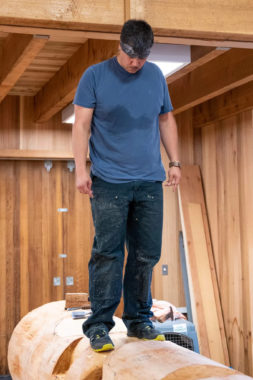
point(130, 213)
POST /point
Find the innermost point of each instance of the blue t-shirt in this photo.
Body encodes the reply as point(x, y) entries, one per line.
point(125, 137)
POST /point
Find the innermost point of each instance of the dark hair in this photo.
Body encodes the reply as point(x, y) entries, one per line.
point(138, 35)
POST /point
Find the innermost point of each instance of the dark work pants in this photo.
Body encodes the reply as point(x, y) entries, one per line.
point(129, 212)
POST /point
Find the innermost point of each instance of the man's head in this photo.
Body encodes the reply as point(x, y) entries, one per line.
point(136, 40)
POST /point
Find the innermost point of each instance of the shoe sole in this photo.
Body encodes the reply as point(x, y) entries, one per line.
point(106, 347)
point(160, 337)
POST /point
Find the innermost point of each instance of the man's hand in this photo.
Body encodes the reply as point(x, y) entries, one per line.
point(83, 183)
point(174, 175)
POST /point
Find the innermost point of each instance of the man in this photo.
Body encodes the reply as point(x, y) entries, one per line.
point(124, 105)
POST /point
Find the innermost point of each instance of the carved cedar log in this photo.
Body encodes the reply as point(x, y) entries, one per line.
point(48, 344)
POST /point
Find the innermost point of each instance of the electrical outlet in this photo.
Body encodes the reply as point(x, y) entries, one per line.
point(165, 270)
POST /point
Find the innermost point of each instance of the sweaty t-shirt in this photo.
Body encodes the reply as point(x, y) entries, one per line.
point(125, 138)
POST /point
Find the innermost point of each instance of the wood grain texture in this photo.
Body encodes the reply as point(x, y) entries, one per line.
point(198, 17)
point(231, 103)
point(191, 192)
point(169, 287)
point(9, 123)
point(60, 90)
point(33, 234)
point(50, 13)
point(227, 173)
point(217, 20)
point(162, 361)
point(230, 70)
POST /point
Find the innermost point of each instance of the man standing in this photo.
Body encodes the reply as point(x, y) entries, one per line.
point(124, 106)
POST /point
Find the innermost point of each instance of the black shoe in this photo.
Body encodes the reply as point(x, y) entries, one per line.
point(146, 332)
point(100, 340)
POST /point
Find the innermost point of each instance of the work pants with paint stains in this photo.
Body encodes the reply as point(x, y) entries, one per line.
point(130, 213)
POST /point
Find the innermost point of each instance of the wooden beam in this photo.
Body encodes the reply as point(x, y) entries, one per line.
point(80, 36)
point(199, 56)
point(60, 90)
point(228, 71)
point(219, 19)
point(206, 19)
point(226, 105)
point(18, 52)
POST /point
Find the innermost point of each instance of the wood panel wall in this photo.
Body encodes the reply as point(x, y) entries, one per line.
point(224, 151)
point(20, 132)
point(32, 236)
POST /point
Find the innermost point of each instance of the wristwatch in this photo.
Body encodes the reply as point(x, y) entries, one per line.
point(175, 163)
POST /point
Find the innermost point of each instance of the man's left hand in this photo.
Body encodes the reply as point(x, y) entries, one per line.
point(174, 175)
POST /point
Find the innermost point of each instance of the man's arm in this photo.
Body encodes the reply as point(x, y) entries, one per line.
point(80, 137)
point(168, 132)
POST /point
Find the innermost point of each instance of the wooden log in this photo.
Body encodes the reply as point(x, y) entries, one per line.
point(48, 344)
point(163, 361)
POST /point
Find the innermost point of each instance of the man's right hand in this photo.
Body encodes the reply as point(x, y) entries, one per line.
point(83, 183)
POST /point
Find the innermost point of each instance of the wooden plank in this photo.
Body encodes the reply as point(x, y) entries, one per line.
point(71, 14)
point(230, 239)
point(228, 71)
point(216, 20)
point(3, 271)
point(245, 182)
point(200, 251)
point(185, 136)
point(59, 92)
point(24, 234)
point(199, 56)
point(18, 52)
point(21, 154)
point(127, 11)
point(226, 105)
point(9, 123)
point(161, 285)
point(191, 192)
point(76, 234)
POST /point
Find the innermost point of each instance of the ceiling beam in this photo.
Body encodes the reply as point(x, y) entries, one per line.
point(80, 36)
point(230, 70)
point(199, 56)
point(226, 105)
point(220, 20)
point(18, 52)
point(60, 90)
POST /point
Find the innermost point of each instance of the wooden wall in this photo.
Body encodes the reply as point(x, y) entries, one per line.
point(20, 132)
point(224, 150)
point(32, 236)
point(33, 233)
